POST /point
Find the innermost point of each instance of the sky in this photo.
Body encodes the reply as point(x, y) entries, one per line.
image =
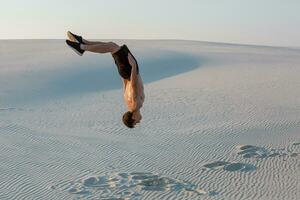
point(263, 22)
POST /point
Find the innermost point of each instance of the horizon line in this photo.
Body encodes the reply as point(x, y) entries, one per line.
point(163, 39)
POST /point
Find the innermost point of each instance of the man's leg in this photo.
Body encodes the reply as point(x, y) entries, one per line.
point(89, 42)
point(100, 47)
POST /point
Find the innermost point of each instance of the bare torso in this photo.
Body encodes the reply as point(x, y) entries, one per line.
point(134, 98)
point(134, 91)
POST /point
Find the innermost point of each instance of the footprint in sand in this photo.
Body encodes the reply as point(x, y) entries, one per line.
point(243, 167)
point(296, 143)
point(231, 167)
point(251, 151)
point(294, 155)
point(128, 186)
point(216, 164)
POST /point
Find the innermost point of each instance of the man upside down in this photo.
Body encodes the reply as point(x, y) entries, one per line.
point(128, 69)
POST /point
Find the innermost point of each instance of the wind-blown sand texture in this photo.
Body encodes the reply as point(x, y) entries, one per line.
point(220, 121)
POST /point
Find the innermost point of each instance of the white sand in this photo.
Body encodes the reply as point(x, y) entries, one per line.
point(220, 121)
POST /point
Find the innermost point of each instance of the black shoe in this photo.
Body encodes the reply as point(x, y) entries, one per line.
point(75, 46)
point(75, 38)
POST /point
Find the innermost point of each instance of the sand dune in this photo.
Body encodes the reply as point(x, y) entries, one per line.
point(42, 73)
point(220, 121)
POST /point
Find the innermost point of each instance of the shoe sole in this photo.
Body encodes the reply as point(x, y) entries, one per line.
point(77, 52)
point(71, 37)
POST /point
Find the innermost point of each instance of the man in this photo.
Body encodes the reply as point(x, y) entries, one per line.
point(128, 69)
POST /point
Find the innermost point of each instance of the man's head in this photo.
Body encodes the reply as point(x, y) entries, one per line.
point(130, 119)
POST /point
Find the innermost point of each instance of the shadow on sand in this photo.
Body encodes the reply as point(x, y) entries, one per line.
point(97, 78)
point(74, 75)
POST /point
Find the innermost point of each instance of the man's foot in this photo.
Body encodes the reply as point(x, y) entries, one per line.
point(75, 38)
point(75, 46)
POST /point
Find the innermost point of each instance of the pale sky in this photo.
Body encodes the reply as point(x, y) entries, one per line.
point(265, 22)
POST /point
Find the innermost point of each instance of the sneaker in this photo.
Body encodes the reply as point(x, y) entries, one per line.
point(75, 38)
point(75, 46)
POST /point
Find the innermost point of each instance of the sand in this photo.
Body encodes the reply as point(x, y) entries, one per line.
point(220, 121)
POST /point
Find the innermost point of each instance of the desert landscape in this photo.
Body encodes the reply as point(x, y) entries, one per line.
point(220, 121)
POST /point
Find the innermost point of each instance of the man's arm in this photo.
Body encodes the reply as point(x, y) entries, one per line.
point(134, 75)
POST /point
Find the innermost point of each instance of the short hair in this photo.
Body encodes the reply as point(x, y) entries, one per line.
point(127, 119)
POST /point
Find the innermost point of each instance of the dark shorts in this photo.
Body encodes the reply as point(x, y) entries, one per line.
point(121, 60)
